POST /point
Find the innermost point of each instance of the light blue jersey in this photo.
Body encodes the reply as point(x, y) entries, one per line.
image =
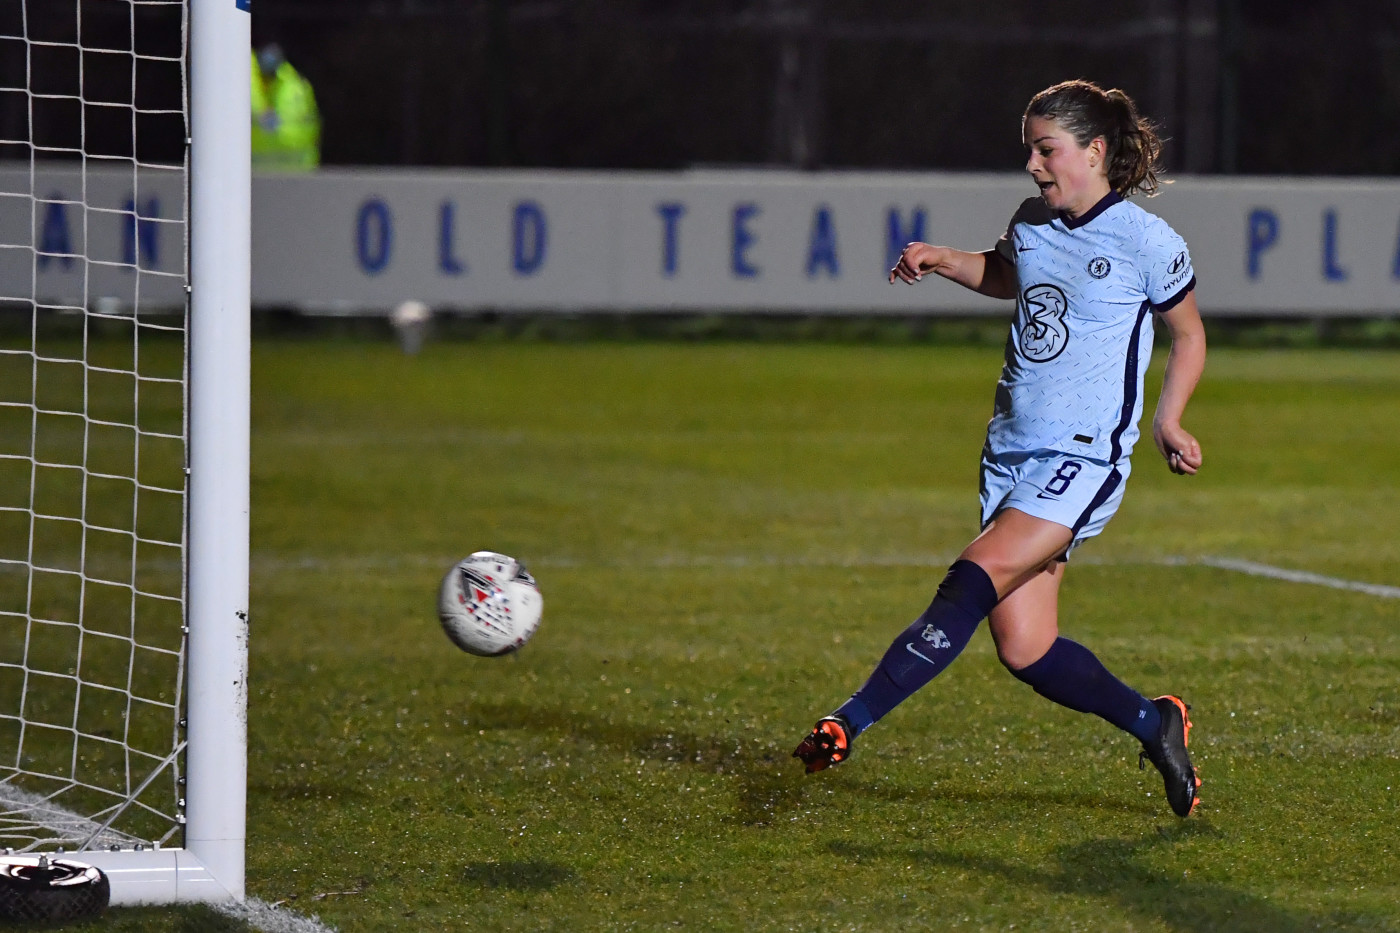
point(1081, 342)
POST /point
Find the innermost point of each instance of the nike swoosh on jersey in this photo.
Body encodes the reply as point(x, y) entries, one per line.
point(913, 650)
point(1041, 495)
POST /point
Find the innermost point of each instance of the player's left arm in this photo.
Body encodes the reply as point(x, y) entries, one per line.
point(1185, 363)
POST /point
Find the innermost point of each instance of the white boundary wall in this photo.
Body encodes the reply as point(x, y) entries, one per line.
point(350, 241)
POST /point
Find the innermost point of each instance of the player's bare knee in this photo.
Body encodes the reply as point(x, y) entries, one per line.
point(1021, 645)
point(1009, 563)
point(1003, 570)
point(1017, 653)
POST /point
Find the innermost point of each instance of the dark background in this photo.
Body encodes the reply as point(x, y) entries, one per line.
point(1251, 86)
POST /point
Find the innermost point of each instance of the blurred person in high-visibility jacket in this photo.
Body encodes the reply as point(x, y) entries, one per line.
point(286, 123)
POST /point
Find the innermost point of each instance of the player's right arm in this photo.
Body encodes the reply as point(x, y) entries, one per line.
point(988, 273)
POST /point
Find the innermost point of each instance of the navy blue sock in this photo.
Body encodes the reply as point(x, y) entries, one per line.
point(924, 649)
point(1070, 675)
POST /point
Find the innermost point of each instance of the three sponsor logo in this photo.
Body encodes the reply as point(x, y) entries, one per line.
point(1044, 333)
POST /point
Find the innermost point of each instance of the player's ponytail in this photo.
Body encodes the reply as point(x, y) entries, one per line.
point(1086, 111)
point(1133, 150)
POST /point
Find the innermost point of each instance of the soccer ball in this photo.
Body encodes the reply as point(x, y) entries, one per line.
point(489, 604)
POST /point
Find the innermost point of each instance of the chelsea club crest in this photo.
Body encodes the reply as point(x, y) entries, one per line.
point(1098, 267)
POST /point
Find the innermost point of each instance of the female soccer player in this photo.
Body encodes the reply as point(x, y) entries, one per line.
point(1085, 267)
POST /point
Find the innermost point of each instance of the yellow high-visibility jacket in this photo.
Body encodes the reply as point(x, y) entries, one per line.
point(286, 123)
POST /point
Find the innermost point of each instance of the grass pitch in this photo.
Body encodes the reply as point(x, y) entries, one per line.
point(727, 537)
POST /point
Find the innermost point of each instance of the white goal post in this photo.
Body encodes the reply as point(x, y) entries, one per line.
point(157, 581)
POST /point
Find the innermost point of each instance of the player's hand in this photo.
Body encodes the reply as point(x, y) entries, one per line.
point(1181, 451)
point(916, 259)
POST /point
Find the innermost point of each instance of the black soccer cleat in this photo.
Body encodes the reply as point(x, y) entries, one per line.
point(829, 743)
point(1168, 753)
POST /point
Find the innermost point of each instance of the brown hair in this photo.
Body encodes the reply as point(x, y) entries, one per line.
point(1086, 111)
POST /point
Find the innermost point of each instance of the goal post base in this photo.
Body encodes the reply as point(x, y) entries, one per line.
point(159, 876)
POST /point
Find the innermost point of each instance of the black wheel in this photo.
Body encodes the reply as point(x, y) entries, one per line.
point(39, 889)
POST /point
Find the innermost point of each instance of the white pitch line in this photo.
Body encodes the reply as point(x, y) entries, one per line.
point(1248, 567)
point(268, 918)
point(1298, 576)
point(744, 561)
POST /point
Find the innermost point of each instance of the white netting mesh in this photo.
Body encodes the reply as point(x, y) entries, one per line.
point(93, 339)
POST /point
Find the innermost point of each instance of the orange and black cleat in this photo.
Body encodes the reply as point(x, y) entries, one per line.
point(1168, 753)
point(828, 744)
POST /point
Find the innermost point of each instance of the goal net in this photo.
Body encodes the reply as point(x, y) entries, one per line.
point(98, 375)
